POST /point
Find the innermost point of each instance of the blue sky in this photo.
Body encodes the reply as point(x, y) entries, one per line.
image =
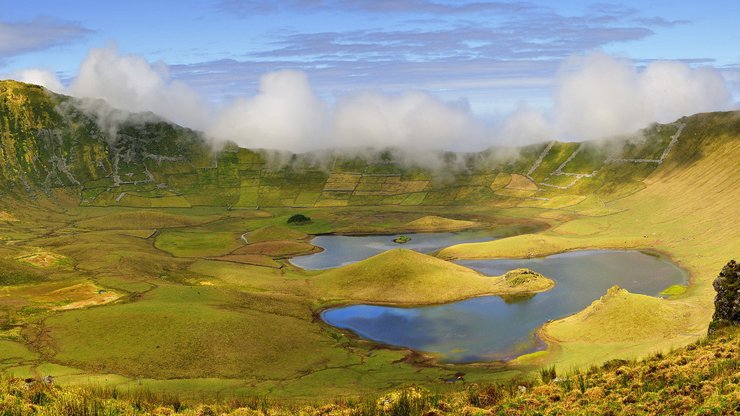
point(492, 53)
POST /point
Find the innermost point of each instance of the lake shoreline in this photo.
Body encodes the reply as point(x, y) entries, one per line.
point(542, 341)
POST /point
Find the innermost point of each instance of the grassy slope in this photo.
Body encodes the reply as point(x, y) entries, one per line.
point(147, 337)
point(402, 276)
point(701, 379)
point(436, 223)
point(683, 211)
point(619, 321)
point(274, 233)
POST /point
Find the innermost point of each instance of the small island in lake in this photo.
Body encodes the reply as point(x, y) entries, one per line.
point(402, 239)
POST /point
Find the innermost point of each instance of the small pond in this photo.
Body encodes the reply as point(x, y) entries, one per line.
point(492, 328)
point(341, 249)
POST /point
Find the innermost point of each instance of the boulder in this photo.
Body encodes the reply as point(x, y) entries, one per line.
point(727, 301)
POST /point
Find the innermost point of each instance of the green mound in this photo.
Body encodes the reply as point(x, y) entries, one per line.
point(522, 277)
point(402, 239)
point(190, 332)
point(405, 276)
point(621, 316)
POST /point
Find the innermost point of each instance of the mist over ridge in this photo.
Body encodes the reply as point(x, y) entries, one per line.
point(594, 96)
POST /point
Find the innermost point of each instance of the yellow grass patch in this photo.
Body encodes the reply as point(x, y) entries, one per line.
point(436, 223)
point(621, 316)
point(619, 323)
point(42, 258)
point(6, 216)
point(562, 201)
point(141, 219)
point(501, 180)
point(556, 202)
point(79, 296)
point(516, 193)
point(593, 206)
point(521, 182)
point(388, 185)
point(538, 245)
point(582, 228)
point(342, 182)
point(332, 203)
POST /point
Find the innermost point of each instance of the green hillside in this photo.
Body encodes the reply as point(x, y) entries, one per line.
point(135, 254)
point(50, 143)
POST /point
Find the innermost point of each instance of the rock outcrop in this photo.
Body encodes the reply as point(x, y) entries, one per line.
point(727, 301)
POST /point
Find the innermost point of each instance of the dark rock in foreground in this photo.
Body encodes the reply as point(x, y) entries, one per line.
point(727, 301)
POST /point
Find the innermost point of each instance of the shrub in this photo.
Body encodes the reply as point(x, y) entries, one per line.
point(299, 219)
point(548, 374)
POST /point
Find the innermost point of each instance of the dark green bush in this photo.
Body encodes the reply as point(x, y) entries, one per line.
point(299, 219)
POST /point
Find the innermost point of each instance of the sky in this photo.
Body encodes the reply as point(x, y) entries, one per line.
point(306, 74)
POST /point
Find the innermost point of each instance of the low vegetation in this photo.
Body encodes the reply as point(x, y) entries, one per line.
point(701, 378)
point(299, 219)
point(402, 239)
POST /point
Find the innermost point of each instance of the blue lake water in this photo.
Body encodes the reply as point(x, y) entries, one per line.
point(491, 327)
point(340, 249)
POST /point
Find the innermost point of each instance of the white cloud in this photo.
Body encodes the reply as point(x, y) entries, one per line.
point(524, 125)
point(43, 77)
point(413, 119)
point(595, 96)
point(285, 114)
point(131, 83)
point(599, 96)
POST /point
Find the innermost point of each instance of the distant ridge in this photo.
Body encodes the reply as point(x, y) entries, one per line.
point(50, 146)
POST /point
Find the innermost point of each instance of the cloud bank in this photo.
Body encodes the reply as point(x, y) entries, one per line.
point(43, 77)
point(594, 96)
point(131, 83)
point(598, 95)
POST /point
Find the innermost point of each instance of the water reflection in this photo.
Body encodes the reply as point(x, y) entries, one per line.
point(340, 250)
point(490, 327)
